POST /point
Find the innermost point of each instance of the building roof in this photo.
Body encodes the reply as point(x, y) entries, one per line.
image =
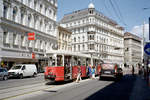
point(64, 29)
point(129, 35)
point(79, 14)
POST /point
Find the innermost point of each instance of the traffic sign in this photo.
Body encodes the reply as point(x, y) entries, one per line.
point(147, 48)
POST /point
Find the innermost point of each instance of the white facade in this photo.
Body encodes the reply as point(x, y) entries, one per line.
point(94, 33)
point(133, 49)
point(20, 17)
point(64, 39)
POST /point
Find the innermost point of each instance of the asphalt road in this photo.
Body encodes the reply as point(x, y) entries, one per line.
point(86, 90)
point(14, 82)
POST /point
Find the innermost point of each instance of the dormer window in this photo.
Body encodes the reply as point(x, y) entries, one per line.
point(91, 11)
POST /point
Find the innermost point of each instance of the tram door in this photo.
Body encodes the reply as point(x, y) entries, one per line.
point(67, 67)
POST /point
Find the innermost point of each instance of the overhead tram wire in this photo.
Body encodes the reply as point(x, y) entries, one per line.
point(117, 15)
point(120, 13)
point(114, 10)
point(107, 9)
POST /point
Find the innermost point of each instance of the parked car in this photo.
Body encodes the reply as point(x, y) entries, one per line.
point(110, 70)
point(23, 70)
point(3, 74)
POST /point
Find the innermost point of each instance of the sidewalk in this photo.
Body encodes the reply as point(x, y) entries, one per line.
point(141, 90)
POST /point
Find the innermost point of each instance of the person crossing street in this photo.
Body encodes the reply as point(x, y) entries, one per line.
point(79, 74)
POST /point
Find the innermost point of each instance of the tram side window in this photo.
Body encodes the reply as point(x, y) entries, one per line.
point(51, 62)
point(75, 61)
point(59, 61)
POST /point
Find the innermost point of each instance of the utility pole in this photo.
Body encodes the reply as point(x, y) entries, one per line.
point(143, 40)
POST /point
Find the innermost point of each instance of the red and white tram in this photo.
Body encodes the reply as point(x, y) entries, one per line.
point(62, 66)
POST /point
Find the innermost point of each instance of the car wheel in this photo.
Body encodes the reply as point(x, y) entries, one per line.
point(34, 74)
point(100, 78)
point(5, 78)
point(21, 76)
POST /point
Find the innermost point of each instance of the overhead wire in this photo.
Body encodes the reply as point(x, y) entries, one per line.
point(116, 13)
point(109, 12)
point(120, 13)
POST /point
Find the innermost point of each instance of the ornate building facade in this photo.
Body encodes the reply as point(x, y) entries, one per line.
point(133, 49)
point(64, 39)
point(95, 34)
point(20, 17)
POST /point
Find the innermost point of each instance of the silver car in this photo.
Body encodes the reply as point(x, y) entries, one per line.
point(3, 74)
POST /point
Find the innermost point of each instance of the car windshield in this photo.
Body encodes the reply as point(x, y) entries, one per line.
point(16, 67)
point(107, 66)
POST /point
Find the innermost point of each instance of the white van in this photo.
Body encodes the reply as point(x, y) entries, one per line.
point(23, 70)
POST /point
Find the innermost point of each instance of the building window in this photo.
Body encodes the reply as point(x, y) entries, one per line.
point(14, 13)
point(5, 37)
point(29, 20)
point(74, 47)
point(5, 11)
point(46, 11)
point(83, 38)
point(22, 41)
point(78, 39)
point(74, 39)
point(22, 17)
point(29, 3)
point(35, 3)
point(50, 11)
point(14, 39)
point(40, 25)
point(91, 37)
point(78, 47)
point(41, 7)
point(83, 47)
point(91, 46)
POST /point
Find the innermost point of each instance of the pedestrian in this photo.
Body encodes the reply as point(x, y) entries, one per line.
point(78, 74)
point(132, 70)
point(89, 70)
point(93, 72)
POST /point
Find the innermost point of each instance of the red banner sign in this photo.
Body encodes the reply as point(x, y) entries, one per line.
point(31, 36)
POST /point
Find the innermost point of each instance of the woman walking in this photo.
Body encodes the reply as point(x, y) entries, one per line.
point(93, 72)
point(79, 75)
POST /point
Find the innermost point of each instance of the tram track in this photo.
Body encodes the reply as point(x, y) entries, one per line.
point(11, 92)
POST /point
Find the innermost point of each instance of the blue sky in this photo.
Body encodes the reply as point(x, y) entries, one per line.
point(131, 10)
